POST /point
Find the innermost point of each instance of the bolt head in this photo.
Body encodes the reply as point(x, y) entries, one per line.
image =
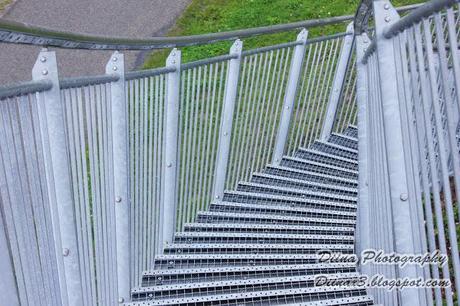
point(169, 165)
point(387, 19)
point(386, 6)
point(173, 62)
point(115, 59)
point(65, 252)
point(121, 300)
point(217, 197)
point(118, 199)
point(225, 134)
point(45, 72)
point(42, 59)
point(115, 68)
point(403, 196)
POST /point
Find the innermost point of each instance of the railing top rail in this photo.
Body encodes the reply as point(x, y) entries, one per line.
point(22, 33)
point(25, 88)
point(405, 22)
point(417, 15)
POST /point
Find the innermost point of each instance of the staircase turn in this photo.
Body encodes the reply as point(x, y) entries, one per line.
point(258, 246)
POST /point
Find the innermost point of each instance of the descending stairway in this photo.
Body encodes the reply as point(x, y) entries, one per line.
point(258, 245)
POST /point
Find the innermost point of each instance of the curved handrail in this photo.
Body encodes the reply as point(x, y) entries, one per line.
point(417, 15)
point(22, 33)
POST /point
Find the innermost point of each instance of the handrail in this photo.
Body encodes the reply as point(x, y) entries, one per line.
point(365, 7)
point(417, 15)
point(22, 33)
point(405, 22)
point(24, 89)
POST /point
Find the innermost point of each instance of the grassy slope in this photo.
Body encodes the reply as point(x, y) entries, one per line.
point(206, 16)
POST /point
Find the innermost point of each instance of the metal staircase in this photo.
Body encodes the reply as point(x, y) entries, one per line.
point(252, 156)
point(259, 244)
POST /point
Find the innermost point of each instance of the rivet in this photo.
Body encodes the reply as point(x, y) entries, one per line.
point(173, 62)
point(217, 197)
point(45, 72)
point(386, 6)
point(403, 196)
point(169, 165)
point(65, 252)
point(225, 134)
point(118, 199)
point(43, 59)
point(365, 41)
point(114, 59)
point(115, 68)
point(387, 19)
point(121, 300)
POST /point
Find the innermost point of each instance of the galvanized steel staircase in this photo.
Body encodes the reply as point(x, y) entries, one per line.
point(258, 245)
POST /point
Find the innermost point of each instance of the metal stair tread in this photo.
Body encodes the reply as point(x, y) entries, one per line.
point(242, 268)
point(285, 198)
point(345, 136)
point(328, 155)
point(255, 246)
point(306, 172)
point(268, 226)
point(260, 207)
point(223, 283)
point(337, 146)
point(299, 190)
point(276, 217)
point(244, 295)
point(314, 184)
point(261, 235)
point(340, 301)
point(306, 161)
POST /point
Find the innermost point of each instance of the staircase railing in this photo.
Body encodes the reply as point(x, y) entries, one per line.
point(97, 173)
point(408, 116)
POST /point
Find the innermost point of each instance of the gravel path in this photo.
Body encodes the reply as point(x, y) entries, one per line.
point(131, 18)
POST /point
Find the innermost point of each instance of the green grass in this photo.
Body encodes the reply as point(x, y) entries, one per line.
point(208, 16)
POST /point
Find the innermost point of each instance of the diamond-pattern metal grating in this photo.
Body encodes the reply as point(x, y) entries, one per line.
point(259, 244)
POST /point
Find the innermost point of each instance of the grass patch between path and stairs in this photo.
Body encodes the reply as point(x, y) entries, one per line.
point(209, 16)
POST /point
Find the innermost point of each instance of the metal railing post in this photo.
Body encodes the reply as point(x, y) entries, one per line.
point(289, 98)
point(231, 88)
point(337, 86)
point(52, 127)
point(170, 166)
point(363, 225)
point(398, 179)
point(116, 66)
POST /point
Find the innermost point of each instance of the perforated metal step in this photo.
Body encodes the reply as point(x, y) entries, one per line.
point(313, 166)
point(295, 192)
point(267, 228)
point(310, 177)
point(344, 140)
point(351, 130)
point(335, 149)
point(273, 297)
point(214, 274)
point(274, 199)
point(283, 210)
point(282, 181)
point(195, 261)
point(221, 217)
point(323, 157)
point(228, 286)
point(188, 237)
point(256, 248)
